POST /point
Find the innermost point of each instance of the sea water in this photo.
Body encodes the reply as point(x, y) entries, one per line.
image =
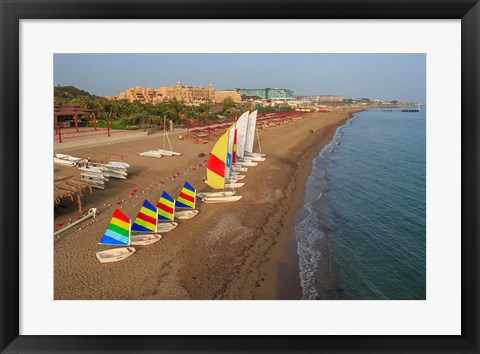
point(362, 231)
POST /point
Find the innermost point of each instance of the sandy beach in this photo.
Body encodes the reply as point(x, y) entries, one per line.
point(229, 251)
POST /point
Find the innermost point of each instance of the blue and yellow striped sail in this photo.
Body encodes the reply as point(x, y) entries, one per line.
point(166, 207)
point(146, 220)
point(118, 231)
point(186, 198)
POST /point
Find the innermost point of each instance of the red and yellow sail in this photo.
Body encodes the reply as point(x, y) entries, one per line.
point(217, 162)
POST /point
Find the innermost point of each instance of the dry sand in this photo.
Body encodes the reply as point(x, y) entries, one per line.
point(228, 251)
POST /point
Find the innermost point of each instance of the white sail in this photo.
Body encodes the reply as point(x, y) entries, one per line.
point(252, 123)
point(241, 125)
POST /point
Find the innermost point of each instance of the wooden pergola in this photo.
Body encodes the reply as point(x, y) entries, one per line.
point(73, 111)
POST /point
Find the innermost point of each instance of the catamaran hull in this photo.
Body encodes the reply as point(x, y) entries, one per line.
point(168, 152)
point(224, 199)
point(144, 239)
point(239, 169)
point(246, 163)
point(215, 194)
point(186, 214)
point(254, 154)
point(151, 154)
point(115, 254)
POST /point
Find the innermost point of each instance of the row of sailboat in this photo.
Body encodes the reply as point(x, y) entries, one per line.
point(149, 223)
point(231, 155)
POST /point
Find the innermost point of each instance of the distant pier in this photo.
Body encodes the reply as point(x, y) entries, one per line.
point(393, 109)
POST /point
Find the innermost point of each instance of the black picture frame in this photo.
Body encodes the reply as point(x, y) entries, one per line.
point(13, 11)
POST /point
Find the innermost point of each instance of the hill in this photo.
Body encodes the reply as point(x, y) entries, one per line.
point(69, 92)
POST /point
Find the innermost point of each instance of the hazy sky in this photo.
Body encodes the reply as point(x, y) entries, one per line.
point(383, 76)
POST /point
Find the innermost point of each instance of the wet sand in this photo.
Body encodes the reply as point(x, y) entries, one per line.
point(239, 250)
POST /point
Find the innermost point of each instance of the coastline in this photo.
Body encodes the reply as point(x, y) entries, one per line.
point(233, 251)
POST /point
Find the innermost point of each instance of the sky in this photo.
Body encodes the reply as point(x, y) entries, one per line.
point(399, 77)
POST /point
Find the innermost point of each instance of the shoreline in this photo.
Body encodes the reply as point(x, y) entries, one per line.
point(230, 251)
point(288, 267)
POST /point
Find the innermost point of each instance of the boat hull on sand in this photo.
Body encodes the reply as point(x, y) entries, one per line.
point(115, 254)
point(166, 226)
point(144, 239)
point(254, 154)
point(64, 162)
point(215, 194)
point(223, 199)
point(185, 214)
point(151, 154)
point(246, 163)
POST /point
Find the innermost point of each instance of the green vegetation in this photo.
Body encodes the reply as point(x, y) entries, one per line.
point(128, 115)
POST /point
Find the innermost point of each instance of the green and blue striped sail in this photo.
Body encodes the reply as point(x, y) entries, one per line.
point(146, 220)
point(118, 231)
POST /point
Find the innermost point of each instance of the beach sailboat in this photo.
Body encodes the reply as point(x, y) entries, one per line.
point(250, 137)
point(242, 127)
point(117, 234)
point(186, 200)
point(145, 226)
point(166, 211)
point(218, 165)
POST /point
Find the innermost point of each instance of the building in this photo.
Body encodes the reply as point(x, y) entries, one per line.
point(182, 93)
point(321, 99)
point(221, 96)
point(188, 94)
point(141, 94)
point(266, 94)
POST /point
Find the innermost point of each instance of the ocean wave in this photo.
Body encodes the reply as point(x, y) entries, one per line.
point(309, 237)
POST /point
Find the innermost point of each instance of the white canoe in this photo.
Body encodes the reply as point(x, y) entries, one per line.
point(224, 199)
point(166, 226)
point(64, 162)
point(186, 214)
point(115, 254)
point(144, 239)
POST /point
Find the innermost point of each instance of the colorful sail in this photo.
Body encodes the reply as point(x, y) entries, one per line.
point(186, 199)
point(231, 136)
point(234, 150)
point(252, 124)
point(166, 207)
point(241, 124)
point(146, 220)
point(118, 231)
point(216, 163)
